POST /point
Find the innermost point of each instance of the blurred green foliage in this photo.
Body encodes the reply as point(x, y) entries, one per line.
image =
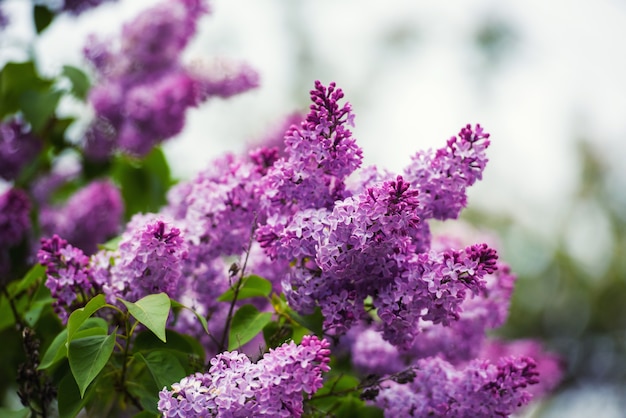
point(571, 291)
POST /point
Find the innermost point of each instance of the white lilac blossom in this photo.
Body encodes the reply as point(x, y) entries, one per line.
point(144, 89)
point(235, 387)
point(91, 216)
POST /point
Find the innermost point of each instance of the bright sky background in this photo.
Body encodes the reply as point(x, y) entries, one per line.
point(562, 77)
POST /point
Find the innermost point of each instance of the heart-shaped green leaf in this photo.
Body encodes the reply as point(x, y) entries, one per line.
point(246, 324)
point(152, 311)
point(80, 315)
point(88, 356)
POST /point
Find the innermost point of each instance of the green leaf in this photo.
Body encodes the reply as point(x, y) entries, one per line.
point(80, 81)
point(246, 324)
point(146, 341)
point(144, 183)
point(253, 286)
point(88, 356)
point(39, 107)
point(336, 384)
point(16, 79)
point(164, 368)
point(312, 322)
point(35, 273)
point(69, 397)
point(111, 245)
point(152, 311)
point(80, 315)
point(57, 350)
point(146, 414)
point(202, 319)
point(276, 334)
point(20, 413)
point(42, 17)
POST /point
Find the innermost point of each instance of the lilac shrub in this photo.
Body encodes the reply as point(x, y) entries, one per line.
point(352, 245)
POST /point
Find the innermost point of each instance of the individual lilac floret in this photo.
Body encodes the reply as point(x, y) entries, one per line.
point(18, 147)
point(14, 217)
point(479, 390)
point(236, 387)
point(150, 259)
point(321, 153)
point(443, 177)
point(90, 217)
point(68, 275)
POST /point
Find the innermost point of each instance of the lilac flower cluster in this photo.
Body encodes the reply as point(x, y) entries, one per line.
point(14, 217)
point(18, 147)
point(236, 387)
point(69, 276)
point(91, 216)
point(144, 89)
point(481, 389)
point(15, 225)
point(149, 260)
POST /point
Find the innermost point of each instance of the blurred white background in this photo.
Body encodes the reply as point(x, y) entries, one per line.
point(539, 75)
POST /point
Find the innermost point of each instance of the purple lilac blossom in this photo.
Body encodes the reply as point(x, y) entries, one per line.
point(18, 147)
point(14, 218)
point(550, 367)
point(68, 275)
point(236, 387)
point(77, 7)
point(443, 177)
point(480, 389)
point(90, 217)
point(149, 259)
point(144, 89)
point(321, 153)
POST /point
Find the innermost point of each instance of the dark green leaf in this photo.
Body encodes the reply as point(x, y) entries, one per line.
point(88, 356)
point(70, 400)
point(246, 324)
point(152, 311)
point(276, 334)
point(80, 81)
point(20, 413)
point(146, 414)
point(253, 286)
point(15, 80)
point(58, 348)
point(163, 366)
point(312, 322)
point(144, 183)
point(42, 17)
point(146, 341)
point(35, 273)
point(336, 384)
point(39, 107)
point(80, 315)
